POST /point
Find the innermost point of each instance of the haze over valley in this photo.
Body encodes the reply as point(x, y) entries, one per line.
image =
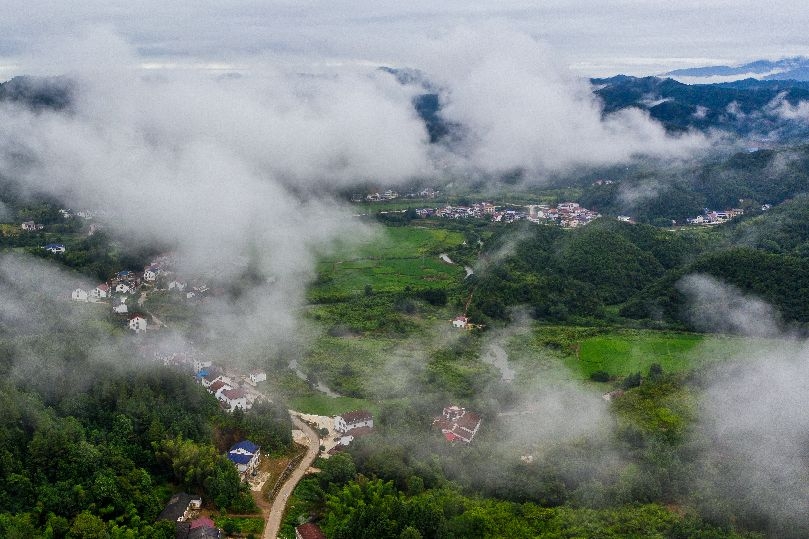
point(403, 272)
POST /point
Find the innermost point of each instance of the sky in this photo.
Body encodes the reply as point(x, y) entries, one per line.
point(592, 38)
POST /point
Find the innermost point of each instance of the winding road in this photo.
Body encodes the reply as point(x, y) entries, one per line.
point(280, 501)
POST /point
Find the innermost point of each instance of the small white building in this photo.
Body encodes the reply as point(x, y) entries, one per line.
point(79, 295)
point(137, 323)
point(123, 288)
point(256, 377)
point(460, 322)
point(235, 398)
point(55, 248)
point(177, 285)
point(119, 306)
point(200, 364)
point(353, 420)
point(101, 291)
point(150, 274)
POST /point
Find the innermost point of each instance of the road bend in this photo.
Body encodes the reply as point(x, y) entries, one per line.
point(282, 497)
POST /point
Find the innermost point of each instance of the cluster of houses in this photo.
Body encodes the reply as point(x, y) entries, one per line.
point(118, 290)
point(30, 226)
point(565, 214)
point(479, 210)
point(427, 192)
point(387, 195)
point(67, 213)
point(457, 424)
point(184, 510)
point(232, 389)
point(711, 217)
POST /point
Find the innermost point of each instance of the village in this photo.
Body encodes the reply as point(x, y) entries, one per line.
point(712, 217)
point(124, 293)
point(564, 214)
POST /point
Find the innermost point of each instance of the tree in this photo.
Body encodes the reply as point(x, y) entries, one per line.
point(655, 371)
point(88, 526)
point(410, 533)
point(338, 470)
point(633, 380)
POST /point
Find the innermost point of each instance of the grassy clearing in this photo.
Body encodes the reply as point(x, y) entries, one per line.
point(401, 257)
point(625, 352)
point(324, 405)
point(242, 526)
point(7, 229)
point(565, 352)
point(385, 275)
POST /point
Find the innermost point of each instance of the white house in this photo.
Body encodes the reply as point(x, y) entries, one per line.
point(353, 420)
point(31, 226)
point(256, 377)
point(137, 323)
point(200, 364)
point(79, 295)
point(55, 248)
point(245, 455)
point(101, 291)
point(123, 288)
point(235, 398)
point(150, 274)
point(177, 285)
point(119, 306)
point(460, 322)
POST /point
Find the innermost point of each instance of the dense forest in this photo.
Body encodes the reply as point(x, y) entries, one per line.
point(581, 274)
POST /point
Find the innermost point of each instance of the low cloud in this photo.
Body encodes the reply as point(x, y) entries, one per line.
point(783, 109)
point(718, 307)
point(521, 109)
point(752, 434)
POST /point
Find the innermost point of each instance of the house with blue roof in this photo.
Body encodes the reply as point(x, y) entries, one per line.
point(55, 248)
point(245, 455)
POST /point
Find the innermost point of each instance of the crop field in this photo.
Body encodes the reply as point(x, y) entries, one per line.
point(321, 404)
point(568, 352)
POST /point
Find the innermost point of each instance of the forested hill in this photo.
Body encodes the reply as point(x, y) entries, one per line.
point(746, 179)
point(614, 271)
point(743, 107)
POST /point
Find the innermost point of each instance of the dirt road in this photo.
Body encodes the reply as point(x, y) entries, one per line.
point(280, 501)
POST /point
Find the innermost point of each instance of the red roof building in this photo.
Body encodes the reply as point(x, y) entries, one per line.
point(309, 531)
point(456, 424)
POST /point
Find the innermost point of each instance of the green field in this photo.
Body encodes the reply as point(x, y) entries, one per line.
point(324, 405)
point(401, 257)
point(241, 525)
point(624, 352)
point(563, 352)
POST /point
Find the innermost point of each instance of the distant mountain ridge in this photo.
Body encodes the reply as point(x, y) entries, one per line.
point(794, 68)
point(744, 107)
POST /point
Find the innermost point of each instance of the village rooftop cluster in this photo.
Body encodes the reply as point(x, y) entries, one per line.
point(392, 195)
point(712, 217)
point(565, 214)
point(124, 285)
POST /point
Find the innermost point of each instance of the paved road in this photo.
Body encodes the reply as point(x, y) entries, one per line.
point(280, 501)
